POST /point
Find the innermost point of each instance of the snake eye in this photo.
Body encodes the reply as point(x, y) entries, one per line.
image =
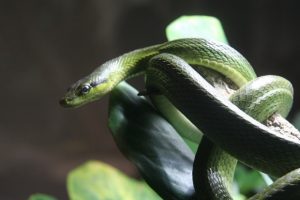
point(84, 89)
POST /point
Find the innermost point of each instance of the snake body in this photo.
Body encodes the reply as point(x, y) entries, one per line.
point(169, 72)
point(198, 52)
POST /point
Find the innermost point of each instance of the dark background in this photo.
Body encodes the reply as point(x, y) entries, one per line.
point(47, 45)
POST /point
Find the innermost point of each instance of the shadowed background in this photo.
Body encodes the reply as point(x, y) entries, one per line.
point(47, 45)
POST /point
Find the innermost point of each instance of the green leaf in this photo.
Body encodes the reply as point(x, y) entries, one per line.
point(249, 181)
point(296, 121)
point(196, 26)
point(39, 196)
point(151, 143)
point(98, 181)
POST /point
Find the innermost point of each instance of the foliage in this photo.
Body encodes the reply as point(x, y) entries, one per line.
point(95, 180)
point(296, 121)
point(39, 196)
point(151, 143)
point(196, 26)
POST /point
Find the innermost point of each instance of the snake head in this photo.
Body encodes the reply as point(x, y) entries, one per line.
point(84, 91)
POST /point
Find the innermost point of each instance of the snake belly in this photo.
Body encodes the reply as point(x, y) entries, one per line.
point(191, 94)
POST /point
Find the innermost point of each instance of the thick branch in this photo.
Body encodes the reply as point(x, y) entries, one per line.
point(226, 87)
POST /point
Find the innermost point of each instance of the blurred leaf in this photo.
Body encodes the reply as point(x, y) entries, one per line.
point(249, 181)
point(151, 143)
point(96, 181)
point(296, 121)
point(237, 196)
point(196, 26)
point(267, 179)
point(39, 196)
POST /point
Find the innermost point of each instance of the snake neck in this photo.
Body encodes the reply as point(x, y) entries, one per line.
point(124, 67)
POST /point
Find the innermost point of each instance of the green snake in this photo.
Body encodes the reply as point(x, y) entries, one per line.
point(168, 71)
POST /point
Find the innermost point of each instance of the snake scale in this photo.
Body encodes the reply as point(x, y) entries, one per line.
point(170, 70)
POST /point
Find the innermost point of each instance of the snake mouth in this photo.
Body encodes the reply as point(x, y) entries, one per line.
point(68, 102)
point(65, 102)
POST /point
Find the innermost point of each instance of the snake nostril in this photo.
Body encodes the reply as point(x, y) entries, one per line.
point(63, 102)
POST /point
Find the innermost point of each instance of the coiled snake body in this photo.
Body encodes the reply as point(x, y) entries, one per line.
point(168, 70)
